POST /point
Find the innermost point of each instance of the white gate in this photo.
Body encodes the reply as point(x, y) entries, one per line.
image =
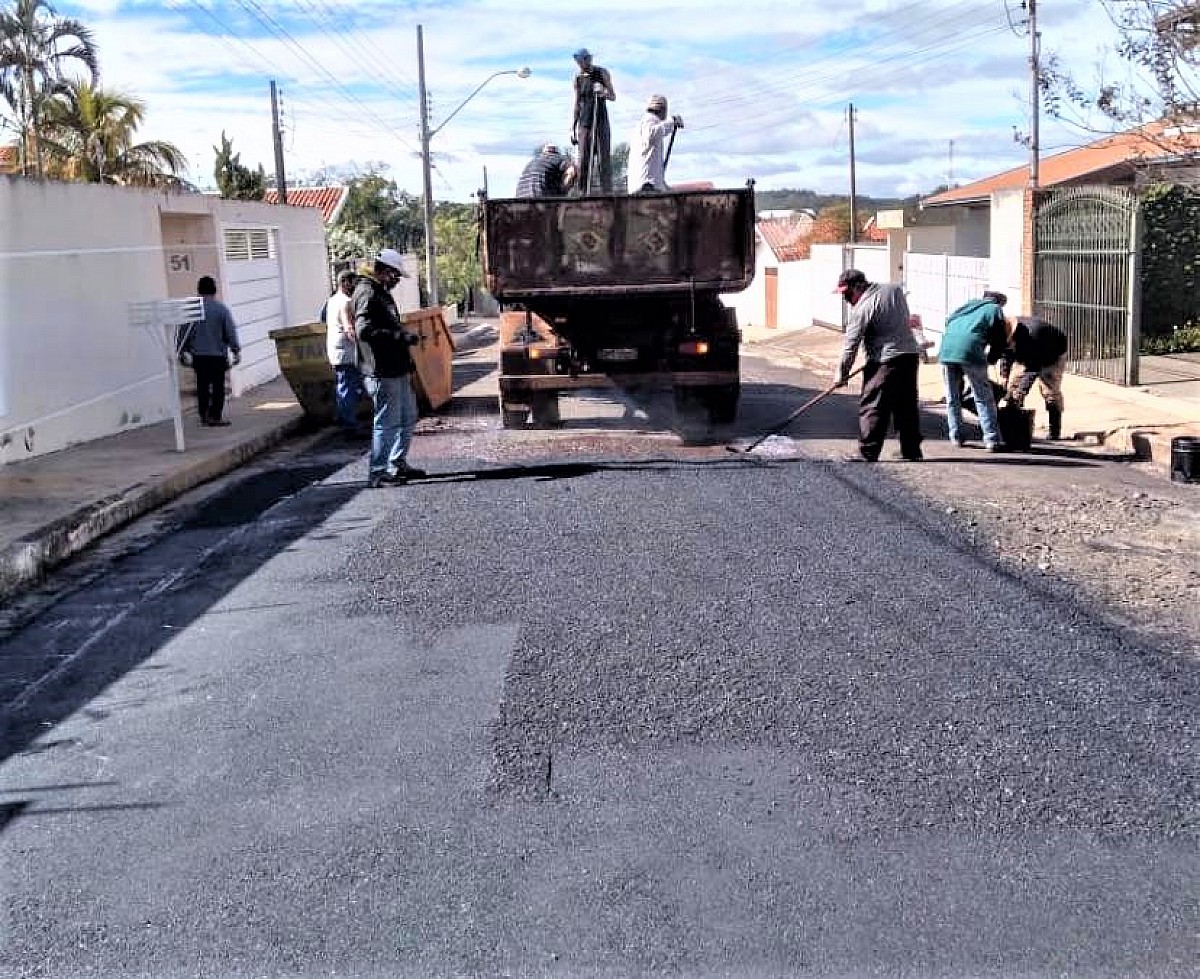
point(254, 293)
point(938, 284)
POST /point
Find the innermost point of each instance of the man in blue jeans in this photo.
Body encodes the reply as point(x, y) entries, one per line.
point(387, 368)
point(975, 337)
point(341, 345)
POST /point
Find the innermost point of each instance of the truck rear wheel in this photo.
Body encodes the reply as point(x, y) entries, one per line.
point(513, 415)
point(545, 410)
point(722, 403)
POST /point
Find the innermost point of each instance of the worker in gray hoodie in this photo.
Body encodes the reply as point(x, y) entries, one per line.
point(879, 322)
point(210, 348)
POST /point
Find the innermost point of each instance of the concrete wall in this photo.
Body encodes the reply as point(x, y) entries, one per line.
point(751, 302)
point(1007, 235)
point(72, 258)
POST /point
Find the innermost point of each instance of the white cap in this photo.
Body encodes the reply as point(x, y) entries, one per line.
point(392, 258)
point(657, 103)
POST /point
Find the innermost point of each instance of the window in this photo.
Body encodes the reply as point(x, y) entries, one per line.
point(249, 244)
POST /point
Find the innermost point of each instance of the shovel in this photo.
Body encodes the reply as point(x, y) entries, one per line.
point(779, 427)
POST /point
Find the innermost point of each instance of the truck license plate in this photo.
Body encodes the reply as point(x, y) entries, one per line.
point(617, 353)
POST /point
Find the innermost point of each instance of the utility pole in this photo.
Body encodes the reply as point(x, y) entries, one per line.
point(431, 281)
point(277, 138)
point(853, 181)
point(1035, 44)
point(950, 175)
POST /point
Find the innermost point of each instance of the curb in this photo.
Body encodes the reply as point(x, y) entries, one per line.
point(26, 560)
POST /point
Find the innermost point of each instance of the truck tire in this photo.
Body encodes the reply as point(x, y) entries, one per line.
point(513, 415)
point(722, 402)
point(545, 410)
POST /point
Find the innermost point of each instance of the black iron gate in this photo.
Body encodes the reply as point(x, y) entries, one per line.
point(1086, 243)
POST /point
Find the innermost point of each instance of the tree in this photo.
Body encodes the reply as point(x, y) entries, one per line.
point(620, 167)
point(1158, 45)
point(381, 215)
point(234, 181)
point(456, 231)
point(36, 49)
point(89, 135)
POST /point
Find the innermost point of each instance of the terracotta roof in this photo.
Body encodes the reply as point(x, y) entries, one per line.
point(8, 159)
point(328, 200)
point(872, 232)
point(787, 237)
point(1111, 157)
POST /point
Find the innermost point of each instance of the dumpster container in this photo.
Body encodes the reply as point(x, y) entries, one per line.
point(305, 365)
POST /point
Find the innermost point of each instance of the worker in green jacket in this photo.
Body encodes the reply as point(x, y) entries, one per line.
point(975, 337)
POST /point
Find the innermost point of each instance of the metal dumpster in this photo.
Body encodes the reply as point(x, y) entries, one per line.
point(305, 366)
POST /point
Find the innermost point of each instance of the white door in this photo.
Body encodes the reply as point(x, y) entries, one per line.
point(253, 286)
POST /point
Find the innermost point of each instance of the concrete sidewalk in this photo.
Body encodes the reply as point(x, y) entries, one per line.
point(54, 506)
point(1099, 417)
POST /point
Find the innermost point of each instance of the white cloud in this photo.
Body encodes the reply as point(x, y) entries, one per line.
point(763, 86)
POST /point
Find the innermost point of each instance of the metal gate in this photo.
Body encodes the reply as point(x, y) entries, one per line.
point(1086, 277)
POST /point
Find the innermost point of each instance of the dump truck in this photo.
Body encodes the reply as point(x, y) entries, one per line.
point(623, 291)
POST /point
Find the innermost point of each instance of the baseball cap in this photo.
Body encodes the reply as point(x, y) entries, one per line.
point(392, 258)
point(582, 53)
point(851, 277)
point(998, 296)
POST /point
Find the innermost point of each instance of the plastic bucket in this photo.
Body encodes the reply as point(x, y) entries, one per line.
point(1185, 459)
point(1016, 427)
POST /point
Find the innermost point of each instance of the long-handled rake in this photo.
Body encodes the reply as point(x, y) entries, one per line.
point(780, 426)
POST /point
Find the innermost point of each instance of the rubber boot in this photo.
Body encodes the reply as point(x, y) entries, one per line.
point(1055, 421)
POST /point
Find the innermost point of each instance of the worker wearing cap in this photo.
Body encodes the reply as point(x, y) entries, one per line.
point(341, 346)
point(1040, 348)
point(549, 174)
point(589, 127)
point(647, 156)
point(387, 367)
point(879, 321)
point(975, 337)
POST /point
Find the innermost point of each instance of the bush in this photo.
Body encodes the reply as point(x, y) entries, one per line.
point(1183, 339)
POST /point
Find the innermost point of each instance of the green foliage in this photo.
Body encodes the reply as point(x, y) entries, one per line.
point(234, 181)
point(620, 167)
point(347, 244)
point(1170, 262)
point(1184, 339)
point(456, 232)
point(381, 215)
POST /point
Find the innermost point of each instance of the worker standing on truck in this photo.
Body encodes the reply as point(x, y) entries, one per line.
point(387, 367)
point(648, 164)
point(880, 322)
point(549, 174)
point(589, 127)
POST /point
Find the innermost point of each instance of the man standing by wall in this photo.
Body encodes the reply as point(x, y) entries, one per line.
point(208, 349)
point(647, 157)
point(880, 322)
point(589, 127)
point(341, 344)
point(387, 368)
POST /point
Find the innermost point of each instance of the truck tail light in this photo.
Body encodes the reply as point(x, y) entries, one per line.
point(695, 348)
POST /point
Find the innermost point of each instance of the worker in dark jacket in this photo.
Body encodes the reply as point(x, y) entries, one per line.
point(976, 335)
point(880, 322)
point(387, 365)
point(589, 127)
point(210, 347)
point(1040, 348)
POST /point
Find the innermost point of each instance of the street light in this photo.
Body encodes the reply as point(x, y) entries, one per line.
point(426, 167)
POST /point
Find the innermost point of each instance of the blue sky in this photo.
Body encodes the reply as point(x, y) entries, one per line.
point(762, 85)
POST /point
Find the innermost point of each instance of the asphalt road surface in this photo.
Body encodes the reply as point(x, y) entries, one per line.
point(590, 702)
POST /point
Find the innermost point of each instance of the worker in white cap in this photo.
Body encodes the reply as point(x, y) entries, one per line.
point(647, 156)
point(387, 366)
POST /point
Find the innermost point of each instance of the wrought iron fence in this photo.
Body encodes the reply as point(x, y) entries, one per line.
point(1086, 277)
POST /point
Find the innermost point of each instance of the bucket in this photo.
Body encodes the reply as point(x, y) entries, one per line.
point(1016, 427)
point(1185, 459)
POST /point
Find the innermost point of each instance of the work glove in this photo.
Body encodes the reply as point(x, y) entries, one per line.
point(185, 358)
point(678, 120)
point(235, 357)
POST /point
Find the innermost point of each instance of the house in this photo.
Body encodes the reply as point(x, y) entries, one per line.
point(328, 200)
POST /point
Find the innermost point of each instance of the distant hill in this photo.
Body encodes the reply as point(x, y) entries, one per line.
point(802, 200)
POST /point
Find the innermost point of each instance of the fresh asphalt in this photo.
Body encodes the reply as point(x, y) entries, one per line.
point(588, 714)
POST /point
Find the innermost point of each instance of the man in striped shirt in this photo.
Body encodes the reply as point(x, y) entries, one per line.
point(549, 174)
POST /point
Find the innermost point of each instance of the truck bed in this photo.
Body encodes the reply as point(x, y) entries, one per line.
point(619, 245)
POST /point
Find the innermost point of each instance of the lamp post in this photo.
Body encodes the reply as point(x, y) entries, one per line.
point(427, 134)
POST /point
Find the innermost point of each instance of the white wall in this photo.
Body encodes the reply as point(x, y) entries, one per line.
point(1007, 239)
point(72, 257)
point(751, 302)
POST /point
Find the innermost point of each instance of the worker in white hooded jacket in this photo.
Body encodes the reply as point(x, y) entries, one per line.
point(647, 157)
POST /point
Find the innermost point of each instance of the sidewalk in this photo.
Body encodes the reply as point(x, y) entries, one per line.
point(1101, 418)
point(55, 505)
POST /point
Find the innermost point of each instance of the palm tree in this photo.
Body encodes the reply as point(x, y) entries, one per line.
point(36, 46)
point(88, 134)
